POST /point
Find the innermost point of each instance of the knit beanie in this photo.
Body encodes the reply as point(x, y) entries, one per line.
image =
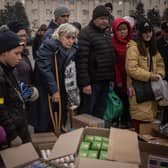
point(145, 26)
point(8, 41)
point(61, 10)
point(99, 11)
point(16, 26)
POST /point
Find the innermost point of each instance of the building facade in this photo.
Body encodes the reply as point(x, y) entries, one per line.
point(41, 11)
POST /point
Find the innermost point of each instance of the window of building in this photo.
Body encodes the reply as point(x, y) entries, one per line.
point(84, 2)
point(35, 23)
point(85, 12)
point(119, 12)
point(72, 1)
point(34, 12)
point(48, 12)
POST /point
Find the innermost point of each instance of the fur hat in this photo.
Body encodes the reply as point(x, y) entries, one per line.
point(60, 10)
point(100, 11)
point(8, 41)
point(15, 26)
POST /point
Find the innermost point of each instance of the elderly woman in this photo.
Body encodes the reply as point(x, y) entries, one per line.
point(55, 64)
point(143, 63)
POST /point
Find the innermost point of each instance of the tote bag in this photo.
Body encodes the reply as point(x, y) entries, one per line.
point(114, 106)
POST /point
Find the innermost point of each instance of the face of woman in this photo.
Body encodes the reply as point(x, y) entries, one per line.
point(67, 40)
point(147, 35)
point(122, 31)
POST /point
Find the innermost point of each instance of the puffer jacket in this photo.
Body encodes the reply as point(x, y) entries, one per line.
point(12, 106)
point(95, 57)
point(137, 68)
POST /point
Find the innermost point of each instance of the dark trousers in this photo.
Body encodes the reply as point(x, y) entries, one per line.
point(95, 103)
point(164, 116)
point(125, 117)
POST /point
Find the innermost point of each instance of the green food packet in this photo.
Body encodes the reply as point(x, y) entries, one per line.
point(92, 154)
point(96, 145)
point(103, 155)
point(105, 139)
point(84, 146)
point(98, 138)
point(83, 153)
point(89, 138)
point(104, 146)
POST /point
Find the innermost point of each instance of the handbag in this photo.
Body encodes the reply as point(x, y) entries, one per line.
point(114, 106)
point(143, 91)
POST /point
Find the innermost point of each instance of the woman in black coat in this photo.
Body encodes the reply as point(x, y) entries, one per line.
point(62, 42)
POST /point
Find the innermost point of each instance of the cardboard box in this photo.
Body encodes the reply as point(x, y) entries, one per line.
point(157, 162)
point(151, 143)
point(123, 147)
point(84, 120)
point(41, 138)
point(18, 156)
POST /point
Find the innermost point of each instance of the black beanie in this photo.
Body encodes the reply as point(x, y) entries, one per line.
point(145, 26)
point(15, 26)
point(8, 40)
point(100, 11)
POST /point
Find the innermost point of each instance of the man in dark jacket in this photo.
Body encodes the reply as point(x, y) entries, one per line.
point(95, 63)
point(61, 15)
point(12, 106)
point(163, 49)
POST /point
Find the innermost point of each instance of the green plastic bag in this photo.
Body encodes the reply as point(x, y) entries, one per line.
point(114, 106)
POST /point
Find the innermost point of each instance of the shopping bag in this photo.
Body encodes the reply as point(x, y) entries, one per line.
point(114, 106)
point(160, 89)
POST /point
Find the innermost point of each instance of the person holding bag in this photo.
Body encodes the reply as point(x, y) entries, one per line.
point(143, 64)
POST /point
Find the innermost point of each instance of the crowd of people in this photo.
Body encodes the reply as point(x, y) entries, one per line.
point(74, 67)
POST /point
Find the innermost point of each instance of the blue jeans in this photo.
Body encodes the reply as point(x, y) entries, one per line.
point(95, 103)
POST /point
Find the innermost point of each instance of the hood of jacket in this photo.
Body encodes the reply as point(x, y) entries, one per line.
point(116, 36)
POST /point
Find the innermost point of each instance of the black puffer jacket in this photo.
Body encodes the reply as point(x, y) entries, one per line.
point(95, 58)
point(12, 106)
point(163, 49)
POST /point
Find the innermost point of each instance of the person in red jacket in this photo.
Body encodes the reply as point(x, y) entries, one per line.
point(122, 35)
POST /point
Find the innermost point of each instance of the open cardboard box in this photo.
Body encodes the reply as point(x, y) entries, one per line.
point(123, 150)
point(19, 156)
point(151, 144)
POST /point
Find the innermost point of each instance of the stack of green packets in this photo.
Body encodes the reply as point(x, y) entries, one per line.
point(93, 147)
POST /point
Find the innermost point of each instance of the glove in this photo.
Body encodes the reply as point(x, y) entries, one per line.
point(25, 90)
point(16, 142)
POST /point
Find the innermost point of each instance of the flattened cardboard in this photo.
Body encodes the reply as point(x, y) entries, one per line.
point(90, 163)
point(66, 144)
point(17, 156)
point(123, 146)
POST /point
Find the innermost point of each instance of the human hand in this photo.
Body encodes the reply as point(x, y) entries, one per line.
point(16, 142)
point(87, 90)
point(154, 77)
point(56, 97)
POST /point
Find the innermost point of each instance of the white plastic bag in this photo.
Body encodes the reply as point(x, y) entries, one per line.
point(160, 89)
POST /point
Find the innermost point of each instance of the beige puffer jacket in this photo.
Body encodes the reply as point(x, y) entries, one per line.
point(137, 68)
